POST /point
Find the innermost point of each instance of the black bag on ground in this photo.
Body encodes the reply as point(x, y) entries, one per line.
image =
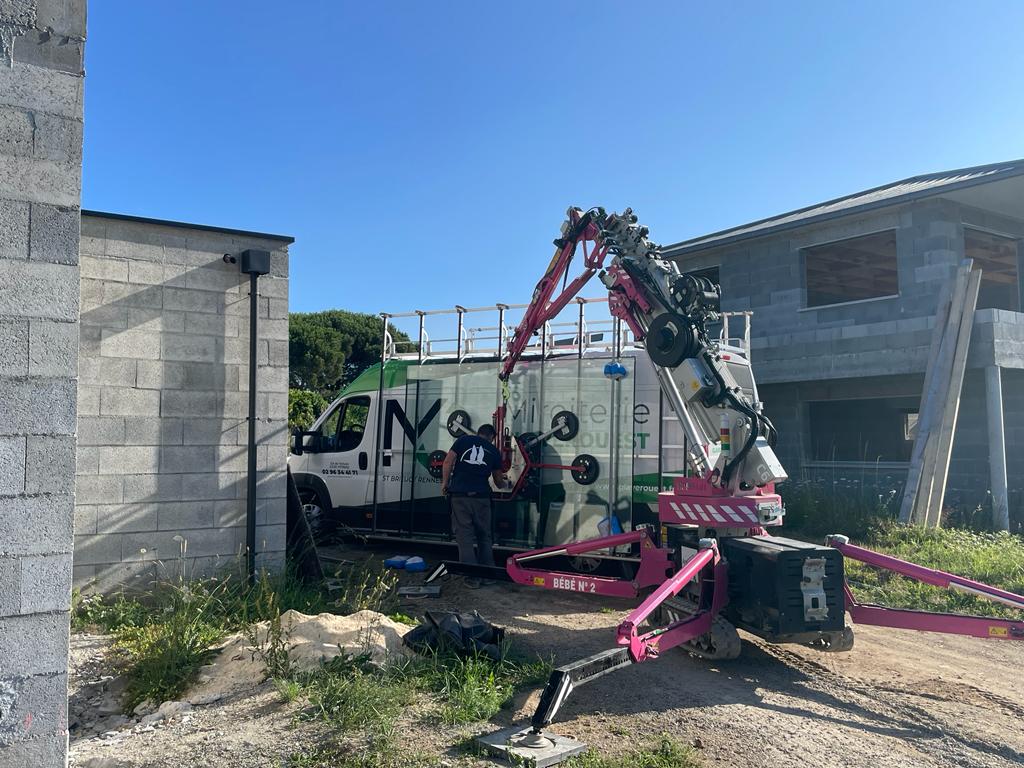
point(461, 633)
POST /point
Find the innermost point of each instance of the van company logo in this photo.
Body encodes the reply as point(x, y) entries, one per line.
point(475, 454)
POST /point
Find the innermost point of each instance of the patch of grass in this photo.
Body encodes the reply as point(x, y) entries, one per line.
point(162, 656)
point(664, 753)
point(992, 558)
point(290, 690)
point(377, 754)
point(476, 687)
point(162, 637)
point(403, 618)
point(351, 695)
point(853, 507)
point(106, 613)
point(365, 586)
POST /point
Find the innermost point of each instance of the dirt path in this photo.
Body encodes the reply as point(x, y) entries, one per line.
point(899, 698)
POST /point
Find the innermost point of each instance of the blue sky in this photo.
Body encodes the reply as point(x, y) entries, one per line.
point(423, 154)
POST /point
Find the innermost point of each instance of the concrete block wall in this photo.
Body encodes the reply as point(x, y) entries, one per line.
point(888, 336)
point(41, 44)
point(163, 401)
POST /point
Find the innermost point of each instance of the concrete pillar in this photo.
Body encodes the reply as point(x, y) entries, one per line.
point(41, 46)
point(996, 448)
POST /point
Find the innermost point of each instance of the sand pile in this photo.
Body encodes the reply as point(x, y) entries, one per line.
point(311, 640)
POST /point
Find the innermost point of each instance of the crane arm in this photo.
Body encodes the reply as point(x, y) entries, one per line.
point(708, 384)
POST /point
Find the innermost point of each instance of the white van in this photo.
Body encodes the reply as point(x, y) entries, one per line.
point(412, 415)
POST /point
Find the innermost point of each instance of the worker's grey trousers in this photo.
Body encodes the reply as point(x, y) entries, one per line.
point(471, 523)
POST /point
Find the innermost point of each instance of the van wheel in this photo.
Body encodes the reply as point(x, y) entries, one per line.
point(313, 506)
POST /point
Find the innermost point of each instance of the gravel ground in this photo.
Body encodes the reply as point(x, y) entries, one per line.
point(898, 698)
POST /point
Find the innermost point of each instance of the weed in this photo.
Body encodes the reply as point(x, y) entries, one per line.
point(470, 688)
point(366, 586)
point(163, 636)
point(377, 754)
point(162, 656)
point(272, 647)
point(349, 694)
point(664, 753)
point(290, 690)
point(993, 558)
point(404, 618)
point(815, 509)
point(106, 613)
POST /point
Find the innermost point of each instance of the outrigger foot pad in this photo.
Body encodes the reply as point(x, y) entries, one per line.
point(526, 746)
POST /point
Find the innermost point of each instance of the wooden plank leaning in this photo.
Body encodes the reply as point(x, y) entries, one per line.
point(910, 490)
point(938, 394)
point(933, 516)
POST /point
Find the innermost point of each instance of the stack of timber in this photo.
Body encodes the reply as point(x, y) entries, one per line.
point(940, 399)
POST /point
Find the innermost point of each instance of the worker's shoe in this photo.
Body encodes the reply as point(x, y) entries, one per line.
point(488, 582)
point(473, 582)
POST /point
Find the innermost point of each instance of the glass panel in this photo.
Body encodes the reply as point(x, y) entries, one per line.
point(438, 391)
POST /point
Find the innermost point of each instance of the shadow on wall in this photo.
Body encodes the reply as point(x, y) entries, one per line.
point(162, 425)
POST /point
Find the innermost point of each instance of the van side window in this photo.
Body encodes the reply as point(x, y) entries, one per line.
point(351, 423)
point(330, 426)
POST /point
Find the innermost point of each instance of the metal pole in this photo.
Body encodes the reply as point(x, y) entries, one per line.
point(419, 357)
point(579, 327)
point(458, 342)
point(250, 494)
point(380, 412)
point(501, 329)
point(613, 426)
point(997, 448)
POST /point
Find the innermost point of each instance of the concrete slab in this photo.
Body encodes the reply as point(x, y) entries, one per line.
point(510, 744)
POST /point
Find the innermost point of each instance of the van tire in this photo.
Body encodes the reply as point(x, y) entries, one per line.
point(313, 504)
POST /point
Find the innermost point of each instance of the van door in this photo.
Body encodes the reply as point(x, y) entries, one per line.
point(343, 457)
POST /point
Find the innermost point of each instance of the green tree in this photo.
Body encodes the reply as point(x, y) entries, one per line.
point(316, 354)
point(304, 407)
point(327, 350)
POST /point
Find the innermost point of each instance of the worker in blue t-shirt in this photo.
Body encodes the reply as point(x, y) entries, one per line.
point(470, 462)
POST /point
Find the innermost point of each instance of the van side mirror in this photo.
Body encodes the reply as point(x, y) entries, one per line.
point(299, 445)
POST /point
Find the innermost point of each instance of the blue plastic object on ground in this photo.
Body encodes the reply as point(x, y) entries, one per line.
point(415, 564)
point(398, 561)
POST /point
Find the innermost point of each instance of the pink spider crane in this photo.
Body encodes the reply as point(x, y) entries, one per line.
point(711, 567)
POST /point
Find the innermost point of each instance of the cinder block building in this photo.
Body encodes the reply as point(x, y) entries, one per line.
point(844, 296)
point(41, 77)
point(163, 384)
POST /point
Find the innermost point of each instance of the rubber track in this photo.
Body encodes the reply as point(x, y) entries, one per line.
point(724, 636)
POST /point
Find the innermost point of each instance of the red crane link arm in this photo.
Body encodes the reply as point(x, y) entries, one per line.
point(581, 227)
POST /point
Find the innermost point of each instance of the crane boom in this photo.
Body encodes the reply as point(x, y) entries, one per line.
point(709, 385)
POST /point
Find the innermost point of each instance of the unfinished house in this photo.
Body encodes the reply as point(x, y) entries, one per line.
point(844, 296)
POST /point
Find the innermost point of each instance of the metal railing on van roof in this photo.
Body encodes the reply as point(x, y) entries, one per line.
point(575, 334)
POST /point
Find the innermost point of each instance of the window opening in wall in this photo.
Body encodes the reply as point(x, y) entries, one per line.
point(997, 258)
point(874, 430)
point(851, 270)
